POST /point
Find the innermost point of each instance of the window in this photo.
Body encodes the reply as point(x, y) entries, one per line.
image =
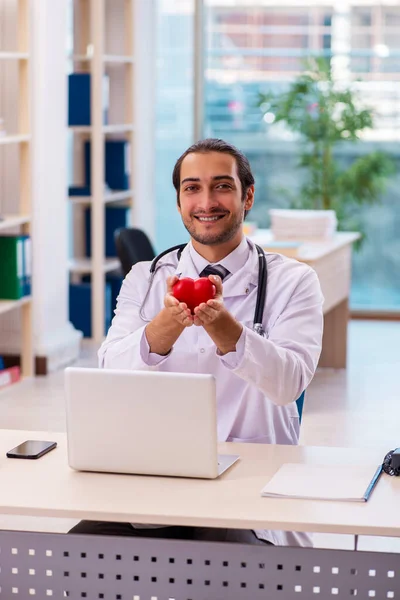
point(174, 111)
point(255, 49)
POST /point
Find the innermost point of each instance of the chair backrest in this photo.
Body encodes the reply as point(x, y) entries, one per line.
point(300, 404)
point(132, 246)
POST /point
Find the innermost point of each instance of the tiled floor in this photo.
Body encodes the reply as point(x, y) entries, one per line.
point(356, 407)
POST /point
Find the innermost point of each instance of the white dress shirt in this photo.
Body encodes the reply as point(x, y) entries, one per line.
point(258, 384)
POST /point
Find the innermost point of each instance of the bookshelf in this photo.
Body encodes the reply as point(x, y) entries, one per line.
point(85, 265)
point(9, 305)
point(15, 188)
point(108, 198)
point(14, 56)
point(14, 139)
point(103, 43)
point(11, 221)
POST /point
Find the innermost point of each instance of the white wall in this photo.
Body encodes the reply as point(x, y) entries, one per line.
point(144, 175)
point(54, 335)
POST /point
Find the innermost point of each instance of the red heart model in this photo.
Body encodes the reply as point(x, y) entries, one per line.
point(193, 291)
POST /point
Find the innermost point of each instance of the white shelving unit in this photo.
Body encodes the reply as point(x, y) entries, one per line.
point(98, 50)
point(108, 58)
point(14, 139)
point(108, 198)
point(20, 221)
point(122, 128)
point(14, 55)
point(85, 265)
point(8, 305)
point(11, 221)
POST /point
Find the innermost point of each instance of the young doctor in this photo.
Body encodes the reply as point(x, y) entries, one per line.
point(259, 377)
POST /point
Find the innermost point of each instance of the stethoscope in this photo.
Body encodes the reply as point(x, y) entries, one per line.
point(261, 286)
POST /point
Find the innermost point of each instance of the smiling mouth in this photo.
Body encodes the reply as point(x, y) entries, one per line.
point(212, 219)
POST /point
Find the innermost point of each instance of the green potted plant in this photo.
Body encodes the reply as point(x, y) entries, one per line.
point(324, 114)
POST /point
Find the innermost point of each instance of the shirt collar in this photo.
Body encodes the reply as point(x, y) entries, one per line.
point(239, 283)
point(233, 262)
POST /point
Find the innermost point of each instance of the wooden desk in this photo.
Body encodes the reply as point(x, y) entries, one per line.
point(331, 259)
point(48, 487)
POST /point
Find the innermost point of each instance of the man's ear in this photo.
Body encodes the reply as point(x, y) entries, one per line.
point(249, 200)
point(178, 204)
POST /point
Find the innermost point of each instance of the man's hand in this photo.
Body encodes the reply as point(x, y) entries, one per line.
point(218, 322)
point(175, 309)
point(208, 312)
point(171, 321)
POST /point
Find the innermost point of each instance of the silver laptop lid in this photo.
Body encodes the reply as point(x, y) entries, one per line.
point(142, 422)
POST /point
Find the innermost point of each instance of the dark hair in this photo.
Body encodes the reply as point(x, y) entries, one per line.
point(216, 145)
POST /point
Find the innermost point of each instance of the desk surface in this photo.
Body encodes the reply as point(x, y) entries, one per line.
point(48, 487)
point(310, 251)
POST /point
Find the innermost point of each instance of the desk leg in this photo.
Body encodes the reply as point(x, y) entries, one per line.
point(334, 342)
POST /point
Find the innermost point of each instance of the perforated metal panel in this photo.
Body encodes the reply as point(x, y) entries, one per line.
point(49, 565)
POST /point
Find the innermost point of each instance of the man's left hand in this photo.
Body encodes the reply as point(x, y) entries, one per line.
point(218, 322)
point(209, 312)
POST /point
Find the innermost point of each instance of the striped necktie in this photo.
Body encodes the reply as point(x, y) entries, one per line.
point(215, 270)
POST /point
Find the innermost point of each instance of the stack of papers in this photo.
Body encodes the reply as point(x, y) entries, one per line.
point(302, 224)
point(349, 483)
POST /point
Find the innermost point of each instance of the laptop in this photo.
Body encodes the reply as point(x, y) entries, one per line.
point(143, 422)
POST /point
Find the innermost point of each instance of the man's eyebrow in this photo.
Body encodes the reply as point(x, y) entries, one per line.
point(216, 178)
point(196, 179)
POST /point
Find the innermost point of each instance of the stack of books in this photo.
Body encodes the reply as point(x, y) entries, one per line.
point(302, 224)
point(8, 376)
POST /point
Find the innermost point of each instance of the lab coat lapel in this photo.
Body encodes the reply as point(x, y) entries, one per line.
point(238, 284)
point(185, 266)
point(244, 280)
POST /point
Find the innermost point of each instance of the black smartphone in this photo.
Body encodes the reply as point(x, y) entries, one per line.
point(31, 449)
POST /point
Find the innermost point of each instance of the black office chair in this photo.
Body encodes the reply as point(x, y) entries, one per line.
point(132, 246)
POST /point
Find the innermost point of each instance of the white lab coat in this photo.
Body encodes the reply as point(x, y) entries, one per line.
point(256, 386)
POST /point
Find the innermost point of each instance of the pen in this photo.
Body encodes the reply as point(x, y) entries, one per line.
point(373, 483)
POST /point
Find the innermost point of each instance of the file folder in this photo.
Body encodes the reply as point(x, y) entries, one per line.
point(9, 376)
point(11, 267)
point(80, 307)
point(116, 164)
point(115, 218)
point(27, 266)
point(79, 99)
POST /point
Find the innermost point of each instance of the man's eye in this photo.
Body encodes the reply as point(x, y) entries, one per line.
point(190, 188)
point(224, 185)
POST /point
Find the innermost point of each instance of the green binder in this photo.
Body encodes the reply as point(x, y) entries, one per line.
point(11, 267)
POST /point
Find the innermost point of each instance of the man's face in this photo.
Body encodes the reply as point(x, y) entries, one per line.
point(211, 204)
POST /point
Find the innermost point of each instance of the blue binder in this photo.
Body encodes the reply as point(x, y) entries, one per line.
point(80, 307)
point(79, 112)
point(79, 190)
point(116, 164)
point(79, 107)
point(27, 265)
point(115, 280)
point(115, 217)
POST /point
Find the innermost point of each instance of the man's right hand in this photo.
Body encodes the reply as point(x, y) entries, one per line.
point(175, 309)
point(163, 331)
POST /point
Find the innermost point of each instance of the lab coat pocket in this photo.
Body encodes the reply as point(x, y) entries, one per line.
point(265, 439)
